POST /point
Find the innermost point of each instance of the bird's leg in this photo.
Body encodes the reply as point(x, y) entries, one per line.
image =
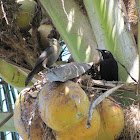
point(48, 69)
point(51, 68)
point(115, 82)
point(104, 82)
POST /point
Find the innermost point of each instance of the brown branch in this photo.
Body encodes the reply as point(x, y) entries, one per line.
point(126, 70)
point(106, 85)
point(6, 119)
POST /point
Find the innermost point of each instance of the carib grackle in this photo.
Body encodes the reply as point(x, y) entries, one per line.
point(108, 66)
point(47, 58)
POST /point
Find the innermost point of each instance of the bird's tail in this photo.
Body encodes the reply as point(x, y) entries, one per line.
point(29, 78)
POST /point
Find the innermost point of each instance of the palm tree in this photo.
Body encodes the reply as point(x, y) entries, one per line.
point(84, 25)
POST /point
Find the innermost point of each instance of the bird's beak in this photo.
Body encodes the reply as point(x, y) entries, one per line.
point(99, 50)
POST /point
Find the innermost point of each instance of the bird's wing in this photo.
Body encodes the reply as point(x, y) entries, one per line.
point(38, 65)
point(46, 53)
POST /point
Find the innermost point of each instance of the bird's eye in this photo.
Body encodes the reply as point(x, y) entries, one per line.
point(106, 51)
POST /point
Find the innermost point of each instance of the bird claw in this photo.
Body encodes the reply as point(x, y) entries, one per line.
point(115, 82)
point(51, 68)
point(48, 70)
point(104, 82)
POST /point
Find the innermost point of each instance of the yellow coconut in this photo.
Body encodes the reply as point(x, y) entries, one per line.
point(112, 120)
point(25, 14)
point(62, 105)
point(80, 132)
point(44, 30)
point(22, 112)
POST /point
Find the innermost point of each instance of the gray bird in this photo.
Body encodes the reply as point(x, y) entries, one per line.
point(47, 58)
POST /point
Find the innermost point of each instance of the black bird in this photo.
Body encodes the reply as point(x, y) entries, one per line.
point(108, 66)
point(47, 58)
